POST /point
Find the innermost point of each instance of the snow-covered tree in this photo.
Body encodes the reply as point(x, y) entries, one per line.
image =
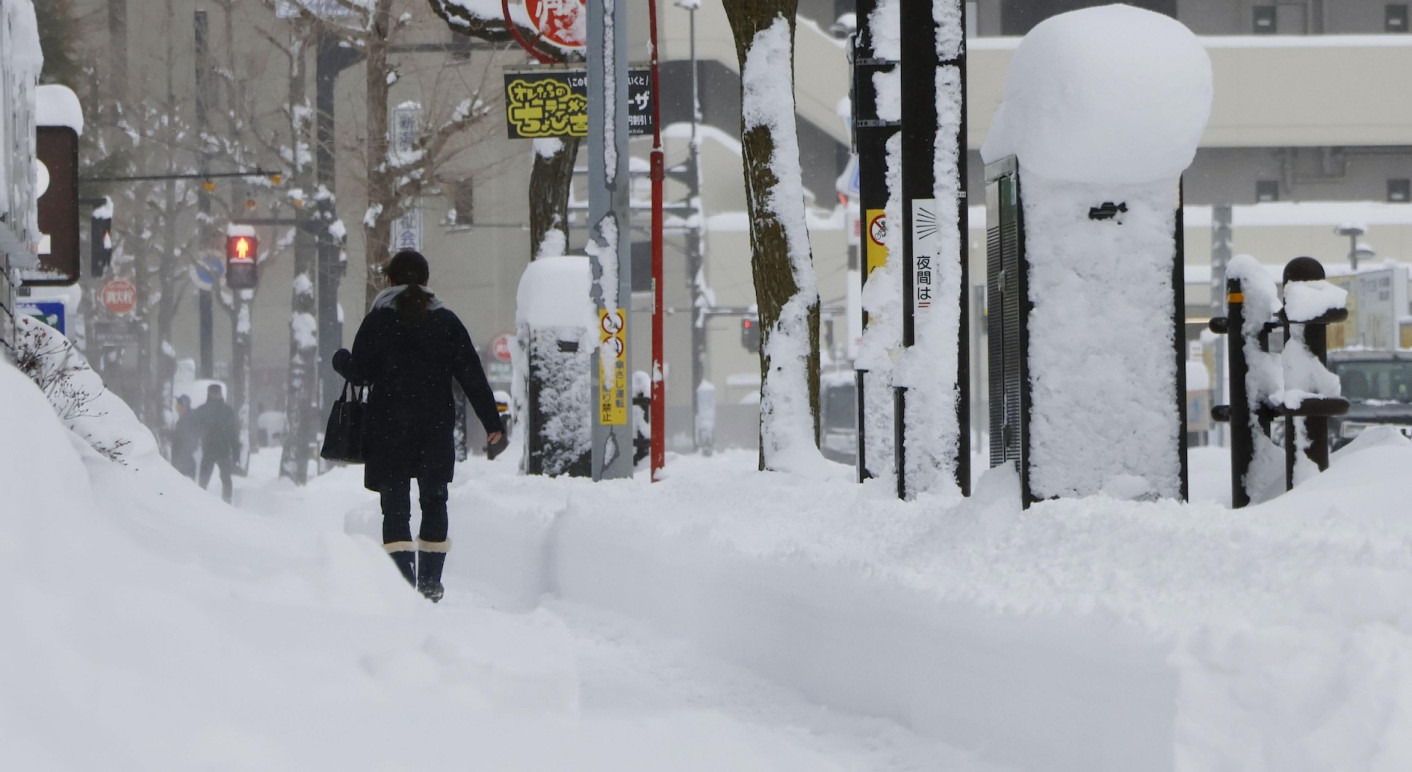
point(786, 289)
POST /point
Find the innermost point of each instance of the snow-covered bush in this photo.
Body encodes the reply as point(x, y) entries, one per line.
point(77, 393)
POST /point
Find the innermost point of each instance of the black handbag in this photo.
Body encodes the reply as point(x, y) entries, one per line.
point(343, 438)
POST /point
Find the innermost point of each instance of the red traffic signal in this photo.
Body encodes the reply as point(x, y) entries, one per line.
point(750, 333)
point(240, 261)
point(241, 248)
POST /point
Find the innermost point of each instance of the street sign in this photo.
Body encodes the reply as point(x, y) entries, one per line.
point(561, 22)
point(500, 346)
point(119, 296)
point(115, 334)
point(542, 103)
point(56, 149)
point(51, 312)
point(205, 273)
point(613, 392)
point(877, 239)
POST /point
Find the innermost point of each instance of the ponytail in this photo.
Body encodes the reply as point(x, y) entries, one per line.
point(412, 304)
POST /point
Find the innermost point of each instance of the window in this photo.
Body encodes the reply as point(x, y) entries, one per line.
point(1395, 17)
point(463, 203)
point(1265, 20)
point(1399, 191)
point(1267, 190)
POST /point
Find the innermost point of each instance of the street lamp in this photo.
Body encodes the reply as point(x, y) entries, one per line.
point(1352, 232)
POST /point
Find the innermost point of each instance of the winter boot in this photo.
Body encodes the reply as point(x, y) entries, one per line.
point(431, 558)
point(405, 556)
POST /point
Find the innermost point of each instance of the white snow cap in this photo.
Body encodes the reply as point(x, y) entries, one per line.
point(57, 105)
point(554, 292)
point(1105, 95)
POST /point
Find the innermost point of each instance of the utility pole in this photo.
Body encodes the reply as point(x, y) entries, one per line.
point(871, 133)
point(934, 244)
point(203, 196)
point(330, 59)
point(695, 274)
point(612, 448)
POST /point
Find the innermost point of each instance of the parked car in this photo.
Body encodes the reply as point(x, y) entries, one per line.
point(1378, 387)
point(838, 424)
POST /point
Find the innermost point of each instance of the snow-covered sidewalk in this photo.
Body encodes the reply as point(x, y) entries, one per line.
point(721, 619)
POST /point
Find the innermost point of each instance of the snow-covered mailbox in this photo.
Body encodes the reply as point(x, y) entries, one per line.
point(555, 323)
point(1103, 111)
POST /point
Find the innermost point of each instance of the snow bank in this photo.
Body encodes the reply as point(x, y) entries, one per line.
point(1081, 634)
point(1104, 95)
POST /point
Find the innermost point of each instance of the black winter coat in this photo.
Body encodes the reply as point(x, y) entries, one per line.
point(410, 414)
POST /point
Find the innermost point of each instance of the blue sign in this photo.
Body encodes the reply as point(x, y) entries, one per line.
point(51, 312)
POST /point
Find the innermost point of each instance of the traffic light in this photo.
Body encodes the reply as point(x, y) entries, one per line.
point(750, 333)
point(240, 261)
point(101, 244)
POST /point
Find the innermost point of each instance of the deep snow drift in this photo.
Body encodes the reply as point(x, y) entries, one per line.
point(152, 627)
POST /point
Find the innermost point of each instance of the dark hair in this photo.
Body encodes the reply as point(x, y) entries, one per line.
point(409, 268)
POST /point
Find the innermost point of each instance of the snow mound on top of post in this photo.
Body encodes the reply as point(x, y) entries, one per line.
point(1105, 95)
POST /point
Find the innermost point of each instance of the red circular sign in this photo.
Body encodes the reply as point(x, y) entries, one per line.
point(119, 296)
point(562, 22)
point(500, 347)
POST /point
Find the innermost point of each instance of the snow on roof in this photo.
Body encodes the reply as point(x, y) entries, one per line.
point(1107, 95)
point(57, 105)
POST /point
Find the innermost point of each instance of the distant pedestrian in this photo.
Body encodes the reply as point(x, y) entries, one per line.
point(220, 439)
point(409, 348)
point(186, 438)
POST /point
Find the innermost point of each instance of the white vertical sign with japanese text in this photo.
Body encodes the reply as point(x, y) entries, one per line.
point(924, 245)
point(406, 124)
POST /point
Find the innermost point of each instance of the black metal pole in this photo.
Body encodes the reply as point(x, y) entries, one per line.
point(331, 58)
point(1242, 434)
point(870, 136)
point(203, 201)
point(922, 68)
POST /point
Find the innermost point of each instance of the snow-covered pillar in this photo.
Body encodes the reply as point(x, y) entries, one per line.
point(555, 323)
point(1103, 111)
point(931, 376)
point(876, 116)
point(610, 239)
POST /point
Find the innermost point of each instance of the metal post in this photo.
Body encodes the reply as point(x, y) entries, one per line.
point(203, 197)
point(330, 59)
point(609, 250)
point(695, 278)
point(658, 416)
point(922, 66)
point(1242, 434)
point(870, 136)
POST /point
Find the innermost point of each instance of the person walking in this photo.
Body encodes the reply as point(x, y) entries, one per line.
point(220, 439)
point(409, 349)
point(186, 438)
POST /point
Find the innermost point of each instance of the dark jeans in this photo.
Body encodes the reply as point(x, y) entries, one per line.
point(397, 511)
point(224, 463)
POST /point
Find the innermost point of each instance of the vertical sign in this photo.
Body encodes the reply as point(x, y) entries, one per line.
point(877, 240)
point(56, 148)
point(924, 244)
point(406, 123)
point(613, 375)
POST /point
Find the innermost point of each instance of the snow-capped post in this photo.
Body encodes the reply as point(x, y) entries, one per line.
point(1103, 110)
point(608, 247)
point(931, 377)
point(1252, 301)
point(555, 339)
point(876, 81)
point(1311, 393)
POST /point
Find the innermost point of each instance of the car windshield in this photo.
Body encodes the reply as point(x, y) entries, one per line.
point(1376, 381)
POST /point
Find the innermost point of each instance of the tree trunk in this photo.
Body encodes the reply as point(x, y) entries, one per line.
point(382, 199)
point(301, 409)
point(779, 278)
point(550, 180)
